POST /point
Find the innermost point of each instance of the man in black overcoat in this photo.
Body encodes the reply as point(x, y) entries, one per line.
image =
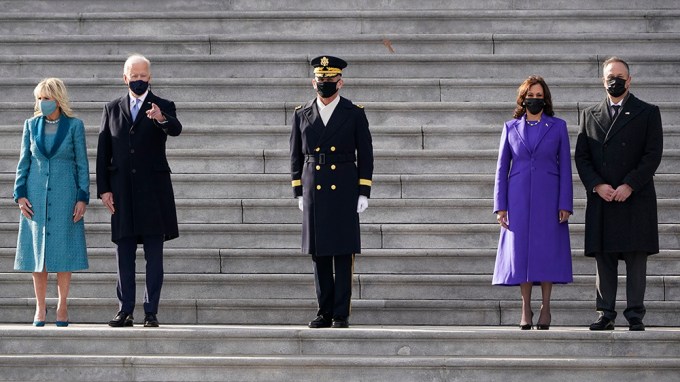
point(133, 181)
point(618, 149)
point(331, 155)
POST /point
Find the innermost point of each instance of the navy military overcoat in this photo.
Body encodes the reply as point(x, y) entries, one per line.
point(330, 167)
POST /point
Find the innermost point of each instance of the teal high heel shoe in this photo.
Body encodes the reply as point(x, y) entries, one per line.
point(40, 324)
point(61, 324)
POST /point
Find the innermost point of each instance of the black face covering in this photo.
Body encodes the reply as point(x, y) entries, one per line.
point(616, 87)
point(326, 89)
point(534, 105)
point(138, 87)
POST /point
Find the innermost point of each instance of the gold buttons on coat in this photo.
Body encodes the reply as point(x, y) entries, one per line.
point(332, 167)
point(317, 149)
point(318, 167)
point(318, 187)
point(333, 187)
point(332, 148)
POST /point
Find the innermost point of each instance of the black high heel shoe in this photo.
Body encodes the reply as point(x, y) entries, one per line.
point(544, 326)
point(527, 326)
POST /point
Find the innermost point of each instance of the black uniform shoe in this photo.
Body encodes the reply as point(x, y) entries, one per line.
point(121, 319)
point(602, 323)
point(320, 322)
point(340, 323)
point(150, 320)
point(636, 325)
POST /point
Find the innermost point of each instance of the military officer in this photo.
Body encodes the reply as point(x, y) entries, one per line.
point(331, 155)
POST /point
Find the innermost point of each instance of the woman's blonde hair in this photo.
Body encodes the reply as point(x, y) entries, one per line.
point(56, 90)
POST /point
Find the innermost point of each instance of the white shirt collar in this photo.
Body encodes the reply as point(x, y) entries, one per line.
point(331, 105)
point(140, 98)
point(325, 111)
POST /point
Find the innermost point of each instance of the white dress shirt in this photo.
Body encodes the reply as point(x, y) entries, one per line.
point(325, 111)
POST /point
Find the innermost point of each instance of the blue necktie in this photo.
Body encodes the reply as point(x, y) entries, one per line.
point(135, 109)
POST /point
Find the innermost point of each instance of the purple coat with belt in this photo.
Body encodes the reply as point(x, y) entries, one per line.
point(533, 184)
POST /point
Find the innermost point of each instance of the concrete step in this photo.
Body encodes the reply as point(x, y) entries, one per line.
point(451, 341)
point(249, 136)
point(473, 114)
point(238, 186)
point(299, 368)
point(73, 6)
point(412, 186)
point(318, 22)
point(385, 211)
point(461, 66)
point(378, 113)
point(407, 186)
point(384, 137)
point(189, 161)
point(301, 286)
point(365, 89)
point(371, 261)
point(284, 311)
point(239, 44)
point(207, 235)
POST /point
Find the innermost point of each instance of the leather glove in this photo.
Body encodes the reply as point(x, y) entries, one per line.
point(362, 204)
point(300, 203)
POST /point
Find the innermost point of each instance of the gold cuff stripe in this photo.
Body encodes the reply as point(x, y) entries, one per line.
point(365, 182)
point(297, 183)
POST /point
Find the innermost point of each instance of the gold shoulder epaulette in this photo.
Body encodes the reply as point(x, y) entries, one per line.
point(298, 106)
point(360, 106)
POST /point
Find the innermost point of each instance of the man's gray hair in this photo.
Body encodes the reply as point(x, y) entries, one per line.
point(135, 59)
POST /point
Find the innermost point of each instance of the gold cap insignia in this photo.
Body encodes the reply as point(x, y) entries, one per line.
point(324, 61)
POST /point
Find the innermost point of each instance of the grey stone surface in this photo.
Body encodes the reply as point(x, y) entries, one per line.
point(436, 93)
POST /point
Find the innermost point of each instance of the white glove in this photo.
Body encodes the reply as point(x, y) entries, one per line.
point(300, 203)
point(362, 204)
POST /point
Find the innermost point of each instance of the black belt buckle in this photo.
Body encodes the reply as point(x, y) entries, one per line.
point(322, 158)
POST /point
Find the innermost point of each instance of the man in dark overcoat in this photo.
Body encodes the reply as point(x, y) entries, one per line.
point(331, 155)
point(618, 149)
point(133, 181)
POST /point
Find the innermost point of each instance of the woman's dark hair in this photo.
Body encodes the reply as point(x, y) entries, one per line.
point(522, 95)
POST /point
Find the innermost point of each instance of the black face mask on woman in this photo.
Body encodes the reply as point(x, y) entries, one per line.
point(616, 86)
point(326, 89)
point(534, 105)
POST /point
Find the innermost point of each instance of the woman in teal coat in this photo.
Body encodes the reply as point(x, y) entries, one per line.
point(52, 189)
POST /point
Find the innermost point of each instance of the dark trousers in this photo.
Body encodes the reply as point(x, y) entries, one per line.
point(334, 294)
point(126, 289)
point(636, 283)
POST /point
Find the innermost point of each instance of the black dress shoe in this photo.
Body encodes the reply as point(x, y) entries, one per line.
point(121, 319)
point(602, 323)
point(340, 323)
point(320, 322)
point(636, 325)
point(150, 320)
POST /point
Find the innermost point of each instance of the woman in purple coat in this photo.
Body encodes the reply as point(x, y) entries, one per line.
point(533, 200)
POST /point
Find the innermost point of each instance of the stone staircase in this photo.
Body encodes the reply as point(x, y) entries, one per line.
point(437, 80)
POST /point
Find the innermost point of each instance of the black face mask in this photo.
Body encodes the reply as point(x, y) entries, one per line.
point(138, 87)
point(616, 87)
point(326, 89)
point(534, 105)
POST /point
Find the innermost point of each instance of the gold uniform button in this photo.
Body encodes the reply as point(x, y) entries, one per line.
point(318, 167)
point(317, 149)
point(318, 187)
point(333, 187)
point(332, 148)
point(332, 167)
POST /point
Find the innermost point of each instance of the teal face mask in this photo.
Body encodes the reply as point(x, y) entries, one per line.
point(47, 107)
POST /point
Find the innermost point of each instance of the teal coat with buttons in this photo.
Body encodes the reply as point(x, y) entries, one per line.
point(53, 181)
point(331, 166)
